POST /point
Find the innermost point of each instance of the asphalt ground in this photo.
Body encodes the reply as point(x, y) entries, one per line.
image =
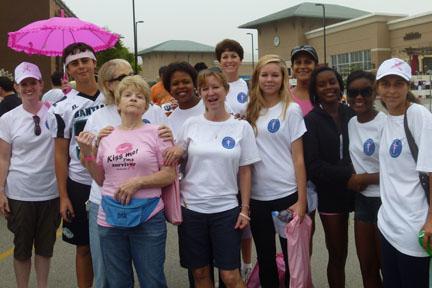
point(62, 273)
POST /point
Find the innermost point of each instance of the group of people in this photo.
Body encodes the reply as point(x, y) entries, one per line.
point(104, 157)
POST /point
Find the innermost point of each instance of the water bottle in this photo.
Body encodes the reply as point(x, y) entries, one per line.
point(420, 238)
point(280, 220)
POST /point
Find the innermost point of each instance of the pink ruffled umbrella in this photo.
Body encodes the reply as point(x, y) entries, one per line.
point(49, 37)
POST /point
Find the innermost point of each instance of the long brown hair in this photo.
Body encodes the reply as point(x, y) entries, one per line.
point(257, 101)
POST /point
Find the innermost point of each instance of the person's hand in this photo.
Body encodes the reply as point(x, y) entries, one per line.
point(427, 228)
point(4, 204)
point(299, 209)
point(127, 189)
point(85, 141)
point(103, 133)
point(165, 133)
point(66, 209)
point(174, 104)
point(356, 183)
point(238, 116)
point(242, 220)
point(173, 155)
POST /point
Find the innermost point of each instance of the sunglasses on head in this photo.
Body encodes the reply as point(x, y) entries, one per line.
point(37, 128)
point(120, 77)
point(365, 92)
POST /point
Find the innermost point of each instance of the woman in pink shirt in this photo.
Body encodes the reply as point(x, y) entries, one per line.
point(129, 167)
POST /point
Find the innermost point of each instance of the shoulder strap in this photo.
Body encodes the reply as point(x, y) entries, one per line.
point(414, 152)
point(411, 142)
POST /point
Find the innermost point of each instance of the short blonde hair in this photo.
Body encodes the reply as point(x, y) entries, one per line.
point(106, 73)
point(205, 74)
point(136, 83)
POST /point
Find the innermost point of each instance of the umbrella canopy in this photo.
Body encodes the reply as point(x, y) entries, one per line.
point(49, 37)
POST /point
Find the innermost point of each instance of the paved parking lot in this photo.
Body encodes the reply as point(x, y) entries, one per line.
point(63, 271)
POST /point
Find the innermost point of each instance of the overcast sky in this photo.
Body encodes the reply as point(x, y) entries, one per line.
point(207, 21)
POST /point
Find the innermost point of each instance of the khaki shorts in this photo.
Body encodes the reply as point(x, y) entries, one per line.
point(33, 223)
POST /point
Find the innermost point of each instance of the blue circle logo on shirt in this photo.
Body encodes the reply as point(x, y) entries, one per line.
point(395, 148)
point(369, 147)
point(242, 97)
point(228, 142)
point(146, 121)
point(273, 126)
point(46, 125)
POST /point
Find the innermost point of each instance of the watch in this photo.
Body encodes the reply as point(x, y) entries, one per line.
point(276, 41)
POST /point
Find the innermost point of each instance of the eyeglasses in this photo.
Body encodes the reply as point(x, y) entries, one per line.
point(120, 78)
point(365, 92)
point(37, 128)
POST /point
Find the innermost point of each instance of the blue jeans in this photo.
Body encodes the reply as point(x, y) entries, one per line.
point(143, 245)
point(95, 248)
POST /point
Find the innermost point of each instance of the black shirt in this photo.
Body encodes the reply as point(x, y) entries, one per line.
point(9, 103)
point(328, 164)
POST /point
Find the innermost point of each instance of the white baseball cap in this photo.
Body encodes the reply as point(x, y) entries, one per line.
point(26, 70)
point(394, 66)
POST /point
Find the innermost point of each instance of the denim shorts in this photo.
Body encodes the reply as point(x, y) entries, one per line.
point(366, 208)
point(204, 237)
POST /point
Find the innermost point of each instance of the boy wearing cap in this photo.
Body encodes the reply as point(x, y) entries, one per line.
point(69, 118)
point(28, 191)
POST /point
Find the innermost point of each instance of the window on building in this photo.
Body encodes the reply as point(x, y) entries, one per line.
point(347, 62)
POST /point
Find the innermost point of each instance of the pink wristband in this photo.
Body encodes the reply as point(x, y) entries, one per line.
point(89, 158)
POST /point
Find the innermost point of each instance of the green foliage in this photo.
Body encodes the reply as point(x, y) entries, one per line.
point(119, 51)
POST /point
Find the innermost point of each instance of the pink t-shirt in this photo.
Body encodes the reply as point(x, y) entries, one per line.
point(125, 154)
point(305, 105)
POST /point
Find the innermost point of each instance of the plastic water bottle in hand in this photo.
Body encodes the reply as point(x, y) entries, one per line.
point(280, 219)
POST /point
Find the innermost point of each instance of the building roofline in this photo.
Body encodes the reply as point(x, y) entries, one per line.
point(153, 49)
point(412, 20)
point(304, 10)
point(65, 7)
point(353, 23)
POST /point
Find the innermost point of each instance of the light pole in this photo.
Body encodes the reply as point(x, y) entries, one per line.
point(134, 35)
point(430, 88)
point(253, 52)
point(324, 32)
point(136, 45)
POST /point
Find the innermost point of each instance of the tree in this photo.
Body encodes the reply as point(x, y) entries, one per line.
point(118, 51)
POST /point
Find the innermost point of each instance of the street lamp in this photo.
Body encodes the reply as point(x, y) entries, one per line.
point(430, 88)
point(134, 35)
point(324, 30)
point(136, 45)
point(253, 52)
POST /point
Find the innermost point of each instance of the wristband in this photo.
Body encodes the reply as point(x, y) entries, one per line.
point(245, 216)
point(89, 158)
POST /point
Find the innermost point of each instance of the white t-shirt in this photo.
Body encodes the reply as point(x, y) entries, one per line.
point(238, 97)
point(215, 151)
point(31, 175)
point(53, 95)
point(274, 177)
point(109, 116)
point(364, 148)
point(179, 116)
point(404, 206)
point(68, 119)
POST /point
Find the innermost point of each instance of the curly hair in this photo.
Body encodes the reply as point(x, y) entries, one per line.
point(228, 45)
point(178, 66)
